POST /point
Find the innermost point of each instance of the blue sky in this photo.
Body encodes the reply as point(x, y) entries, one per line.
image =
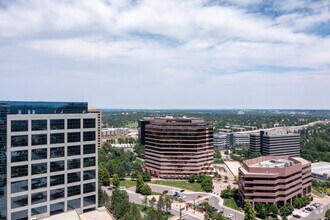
point(167, 54)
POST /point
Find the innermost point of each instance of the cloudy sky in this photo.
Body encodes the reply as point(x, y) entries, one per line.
point(167, 53)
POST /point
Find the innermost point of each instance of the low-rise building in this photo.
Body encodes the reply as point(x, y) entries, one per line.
point(321, 171)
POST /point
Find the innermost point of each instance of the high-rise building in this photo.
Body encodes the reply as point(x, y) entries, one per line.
point(178, 147)
point(48, 159)
point(99, 122)
point(255, 144)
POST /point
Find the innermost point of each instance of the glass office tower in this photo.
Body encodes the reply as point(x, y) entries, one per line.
point(48, 159)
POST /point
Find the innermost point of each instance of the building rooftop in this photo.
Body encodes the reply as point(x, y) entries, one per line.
point(274, 163)
point(321, 167)
point(99, 214)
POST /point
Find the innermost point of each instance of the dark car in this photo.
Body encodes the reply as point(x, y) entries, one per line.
point(297, 216)
point(182, 190)
point(165, 191)
point(214, 209)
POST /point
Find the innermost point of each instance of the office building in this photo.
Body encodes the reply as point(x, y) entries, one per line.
point(48, 159)
point(241, 139)
point(321, 171)
point(178, 147)
point(221, 141)
point(274, 179)
point(255, 144)
point(99, 122)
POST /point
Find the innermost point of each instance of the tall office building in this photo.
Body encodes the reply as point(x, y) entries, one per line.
point(99, 122)
point(48, 159)
point(255, 144)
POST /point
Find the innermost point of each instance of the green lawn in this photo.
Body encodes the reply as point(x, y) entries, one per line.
point(317, 193)
point(231, 204)
point(128, 183)
point(196, 187)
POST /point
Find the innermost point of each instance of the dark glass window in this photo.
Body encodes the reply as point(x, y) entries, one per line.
point(39, 210)
point(39, 125)
point(39, 154)
point(39, 139)
point(73, 164)
point(89, 136)
point(57, 180)
point(89, 122)
point(38, 168)
point(19, 186)
point(56, 194)
point(57, 138)
point(56, 208)
point(89, 200)
point(73, 190)
point(74, 204)
point(19, 156)
point(20, 215)
point(56, 152)
point(57, 166)
point(19, 125)
point(73, 150)
point(89, 174)
point(89, 187)
point(89, 149)
point(38, 197)
point(73, 137)
point(19, 201)
point(19, 141)
point(56, 124)
point(73, 123)
point(89, 161)
point(19, 171)
point(73, 177)
point(38, 183)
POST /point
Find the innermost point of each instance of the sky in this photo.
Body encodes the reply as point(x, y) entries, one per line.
point(167, 54)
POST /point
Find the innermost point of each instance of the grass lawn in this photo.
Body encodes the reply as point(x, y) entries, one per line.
point(128, 183)
point(196, 187)
point(317, 193)
point(231, 204)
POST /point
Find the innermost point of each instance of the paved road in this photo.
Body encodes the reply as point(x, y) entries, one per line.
point(318, 213)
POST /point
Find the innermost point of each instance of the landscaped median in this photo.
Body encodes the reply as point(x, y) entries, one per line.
point(196, 187)
point(231, 204)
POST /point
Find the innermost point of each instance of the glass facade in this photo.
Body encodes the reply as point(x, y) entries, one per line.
point(89, 161)
point(89, 187)
point(89, 136)
point(56, 194)
point(19, 141)
point(19, 186)
point(73, 177)
point(39, 139)
point(39, 210)
point(73, 137)
point(56, 208)
point(19, 125)
point(73, 164)
point(73, 204)
point(19, 171)
point(56, 152)
point(38, 168)
point(89, 200)
point(73, 150)
point(57, 180)
point(74, 190)
point(39, 125)
point(38, 198)
point(89, 149)
point(74, 123)
point(39, 154)
point(89, 174)
point(19, 201)
point(57, 166)
point(89, 123)
point(56, 124)
point(39, 183)
point(20, 215)
point(19, 156)
point(57, 138)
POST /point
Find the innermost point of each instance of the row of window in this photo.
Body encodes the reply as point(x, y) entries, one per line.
point(55, 124)
point(55, 166)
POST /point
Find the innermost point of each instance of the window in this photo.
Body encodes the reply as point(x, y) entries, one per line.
point(38, 197)
point(39, 139)
point(19, 171)
point(73, 164)
point(89, 122)
point(19, 141)
point(39, 154)
point(57, 138)
point(38, 168)
point(19, 156)
point(38, 183)
point(73, 190)
point(39, 125)
point(19, 201)
point(73, 137)
point(57, 180)
point(73, 123)
point(56, 124)
point(19, 186)
point(20, 215)
point(19, 125)
point(73, 150)
point(89, 136)
point(89, 200)
point(56, 152)
point(56, 208)
point(89, 161)
point(56, 194)
point(74, 204)
point(39, 210)
point(73, 177)
point(89, 174)
point(57, 166)
point(89, 149)
point(89, 187)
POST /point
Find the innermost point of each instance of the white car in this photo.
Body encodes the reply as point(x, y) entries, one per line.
point(230, 215)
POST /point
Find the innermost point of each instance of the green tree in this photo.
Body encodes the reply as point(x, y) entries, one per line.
point(145, 190)
point(262, 209)
point(152, 202)
point(154, 215)
point(327, 213)
point(168, 202)
point(273, 210)
point(145, 202)
point(146, 177)
point(207, 184)
point(286, 210)
point(139, 183)
point(115, 181)
point(133, 214)
point(104, 176)
point(119, 203)
point(160, 204)
point(191, 178)
point(249, 213)
point(104, 198)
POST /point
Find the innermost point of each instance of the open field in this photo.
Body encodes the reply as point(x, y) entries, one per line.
point(196, 187)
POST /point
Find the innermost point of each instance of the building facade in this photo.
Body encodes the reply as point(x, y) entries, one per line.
point(255, 144)
point(99, 122)
point(178, 147)
point(221, 141)
point(51, 162)
point(321, 171)
point(274, 179)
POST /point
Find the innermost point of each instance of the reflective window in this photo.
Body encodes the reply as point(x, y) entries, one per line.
point(89, 149)
point(89, 174)
point(19, 141)
point(19, 156)
point(20, 215)
point(89, 161)
point(73, 164)
point(19, 186)
point(39, 139)
point(38, 183)
point(73, 123)
point(39, 125)
point(89, 200)
point(19, 171)
point(19, 125)
point(73, 204)
point(39, 154)
point(56, 194)
point(73, 190)
point(57, 166)
point(89, 187)
point(89, 122)
point(56, 124)
point(73, 177)
point(89, 136)
point(39, 210)
point(57, 180)
point(56, 208)
point(73, 137)
point(38, 197)
point(57, 138)
point(56, 152)
point(73, 150)
point(38, 168)
point(19, 201)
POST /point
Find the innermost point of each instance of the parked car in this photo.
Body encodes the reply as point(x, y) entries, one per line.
point(182, 190)
point(165, 191)
point(297, 216)
point(230, 215)
point(214, 209)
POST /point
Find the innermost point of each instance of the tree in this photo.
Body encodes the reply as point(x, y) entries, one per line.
point(207, 184)
point(153, 215)
point(104, 177)
point(104, 198)
point(168, 202)
point(115, 181)
point(146, 177)
point(262, 209)
point(160, 204)
point(145, 190)
point(133, 214)
point(327, 213)
point(119, 203)
point(286, 210)
point(145, 202)
point(139, 183)
point(152, 202)
point(191, 178)
point(121, 172)
point(273, 210)
point(249, 213)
